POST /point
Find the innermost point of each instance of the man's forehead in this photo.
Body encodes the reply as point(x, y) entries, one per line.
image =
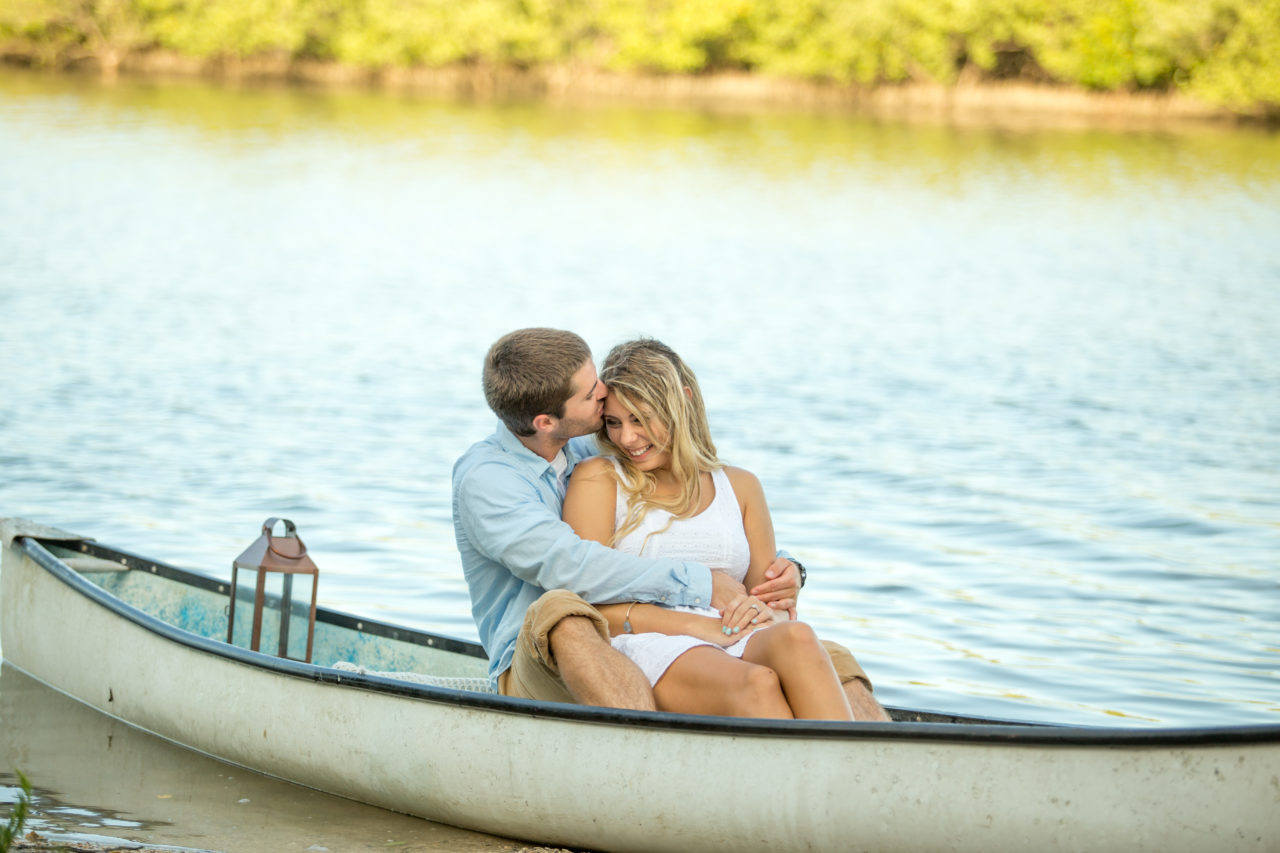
point(585, 379)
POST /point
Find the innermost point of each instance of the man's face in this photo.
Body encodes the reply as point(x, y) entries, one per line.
point(583, 410)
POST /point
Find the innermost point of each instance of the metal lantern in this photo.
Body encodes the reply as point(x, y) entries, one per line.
point(273, 595)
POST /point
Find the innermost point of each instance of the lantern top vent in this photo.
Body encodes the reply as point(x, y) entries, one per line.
point(287, 553)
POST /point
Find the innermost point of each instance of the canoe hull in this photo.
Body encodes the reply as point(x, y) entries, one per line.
point(533, 772)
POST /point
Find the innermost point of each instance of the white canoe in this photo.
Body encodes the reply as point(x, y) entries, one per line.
point(142, 641)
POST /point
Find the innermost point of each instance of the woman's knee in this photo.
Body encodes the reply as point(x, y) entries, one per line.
point(796, 637)
point(760, 692)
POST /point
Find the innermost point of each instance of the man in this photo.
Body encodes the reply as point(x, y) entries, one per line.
point(531, 577)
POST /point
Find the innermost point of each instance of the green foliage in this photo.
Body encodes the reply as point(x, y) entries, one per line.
point(1222, 51)
point(207, 28)
point(1108, 44)
point(60, 31)
point(1241, 68)
point(685, 36)
point(17, 815)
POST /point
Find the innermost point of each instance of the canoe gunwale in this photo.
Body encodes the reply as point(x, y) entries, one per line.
point(971, 730)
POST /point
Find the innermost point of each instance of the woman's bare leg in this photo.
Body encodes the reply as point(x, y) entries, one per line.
point(804, 669)
point(705, 680)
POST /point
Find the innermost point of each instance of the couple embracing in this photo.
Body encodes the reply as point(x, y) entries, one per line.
point(613, 560)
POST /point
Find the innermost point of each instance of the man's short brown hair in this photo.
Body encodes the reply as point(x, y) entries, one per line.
point(529, 372)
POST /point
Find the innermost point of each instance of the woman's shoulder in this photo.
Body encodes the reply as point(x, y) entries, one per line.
point(746, 486)
point(595, 468)
point(590, 500)
point(741, 476)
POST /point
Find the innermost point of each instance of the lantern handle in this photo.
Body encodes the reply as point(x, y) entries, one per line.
point(290, 532)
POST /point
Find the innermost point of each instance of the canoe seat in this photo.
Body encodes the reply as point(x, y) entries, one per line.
point(475, 685)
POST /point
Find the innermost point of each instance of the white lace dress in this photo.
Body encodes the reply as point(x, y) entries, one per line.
point(713, 537)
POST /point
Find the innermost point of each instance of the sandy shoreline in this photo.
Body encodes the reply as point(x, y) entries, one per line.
point(975, 102)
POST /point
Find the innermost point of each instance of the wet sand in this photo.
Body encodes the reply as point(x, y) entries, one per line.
point(101, 785)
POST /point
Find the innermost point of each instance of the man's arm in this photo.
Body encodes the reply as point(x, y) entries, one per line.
point(781, 587)
point(505, 520)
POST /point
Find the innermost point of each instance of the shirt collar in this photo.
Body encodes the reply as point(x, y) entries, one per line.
point(537, 466)
point(512, 444)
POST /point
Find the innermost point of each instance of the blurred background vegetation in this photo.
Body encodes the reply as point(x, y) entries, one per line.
point(1221, 52)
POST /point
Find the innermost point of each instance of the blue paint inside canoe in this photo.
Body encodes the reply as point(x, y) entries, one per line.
point(205, 613)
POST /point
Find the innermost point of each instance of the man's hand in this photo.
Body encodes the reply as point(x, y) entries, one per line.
point(782, 587)
point(724, 589)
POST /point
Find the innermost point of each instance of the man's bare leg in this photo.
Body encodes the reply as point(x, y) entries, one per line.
point(595, 672)
point(864, 705)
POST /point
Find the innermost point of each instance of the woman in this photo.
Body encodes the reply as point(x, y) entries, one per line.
point(659, 490)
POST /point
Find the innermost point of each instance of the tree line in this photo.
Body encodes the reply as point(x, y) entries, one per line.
point(1223, 52)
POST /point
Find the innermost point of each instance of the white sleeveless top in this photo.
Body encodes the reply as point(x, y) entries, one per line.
point(714, 537)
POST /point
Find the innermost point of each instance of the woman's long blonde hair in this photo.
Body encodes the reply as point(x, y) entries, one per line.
point(654, 384)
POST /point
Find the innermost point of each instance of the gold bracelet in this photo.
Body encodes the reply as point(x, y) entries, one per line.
point(626, 620)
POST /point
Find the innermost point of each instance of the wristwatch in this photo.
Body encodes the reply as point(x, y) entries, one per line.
point(803, 573)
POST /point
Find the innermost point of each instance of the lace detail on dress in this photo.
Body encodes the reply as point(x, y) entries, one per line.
point(713, 537)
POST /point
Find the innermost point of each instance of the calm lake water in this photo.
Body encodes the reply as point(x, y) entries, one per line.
point(1014, 395)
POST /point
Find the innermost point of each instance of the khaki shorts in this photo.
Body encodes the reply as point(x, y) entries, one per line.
point(534, 675)
point(847, 667)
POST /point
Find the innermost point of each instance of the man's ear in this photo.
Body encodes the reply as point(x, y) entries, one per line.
point(543, 423)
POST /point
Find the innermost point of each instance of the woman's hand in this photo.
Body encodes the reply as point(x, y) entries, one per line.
point(711, 630)
point(745, 614)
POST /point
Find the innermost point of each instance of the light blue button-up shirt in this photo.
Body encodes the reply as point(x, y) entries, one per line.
point(514, 547)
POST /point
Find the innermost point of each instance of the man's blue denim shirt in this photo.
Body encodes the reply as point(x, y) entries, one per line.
point(514, 547)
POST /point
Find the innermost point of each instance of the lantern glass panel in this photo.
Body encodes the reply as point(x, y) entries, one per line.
point(246, 580)
point(296, 610)
point(272, 598)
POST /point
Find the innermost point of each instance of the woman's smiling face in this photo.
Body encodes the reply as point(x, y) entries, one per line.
point(644, 443)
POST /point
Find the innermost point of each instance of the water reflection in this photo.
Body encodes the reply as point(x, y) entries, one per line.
point(772, 143)
point(51, 819)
